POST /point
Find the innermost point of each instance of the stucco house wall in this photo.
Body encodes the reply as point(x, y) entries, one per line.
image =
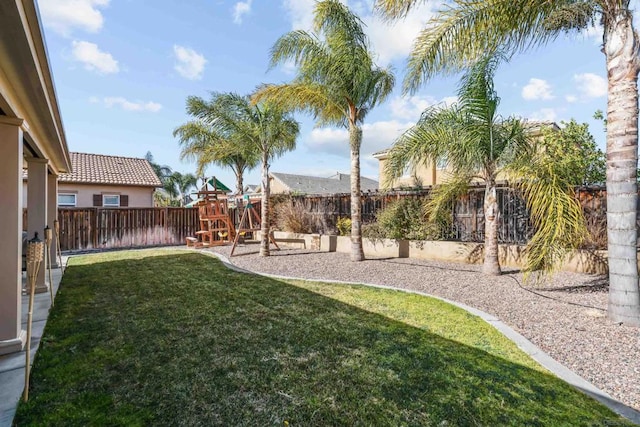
point(277, 187)
point(139, 197)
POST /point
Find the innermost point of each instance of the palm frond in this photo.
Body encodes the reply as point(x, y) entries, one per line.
point(469, 29)
point(443, 196)
point(332, 17)
point(297, 46)
point(396, 9)
point(554, 210)
point(310, 98)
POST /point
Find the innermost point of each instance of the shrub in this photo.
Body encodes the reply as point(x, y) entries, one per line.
point(343, 224)
point(406, 219)
point(294, 218)
point(402, 219)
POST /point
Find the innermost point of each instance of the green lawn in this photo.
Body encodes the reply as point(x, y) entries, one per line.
point(166, 337)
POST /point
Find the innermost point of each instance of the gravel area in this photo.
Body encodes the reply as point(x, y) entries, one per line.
point(565, 316)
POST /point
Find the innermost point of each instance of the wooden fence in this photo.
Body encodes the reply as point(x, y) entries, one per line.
point(111, 228)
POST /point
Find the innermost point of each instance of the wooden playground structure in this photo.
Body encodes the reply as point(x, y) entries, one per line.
point(216, 224)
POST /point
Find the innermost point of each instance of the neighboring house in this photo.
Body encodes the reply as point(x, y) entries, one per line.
point(302, 184)
point(252, 189)
point(433, 174)
point(109, 181)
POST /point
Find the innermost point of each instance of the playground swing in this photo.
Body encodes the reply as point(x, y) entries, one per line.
point(249, 223)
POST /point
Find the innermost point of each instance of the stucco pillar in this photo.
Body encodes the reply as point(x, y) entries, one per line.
point(37, 208)
point(12, 337)
point(52, 214)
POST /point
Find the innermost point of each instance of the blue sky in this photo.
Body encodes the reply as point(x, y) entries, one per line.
point(123, 69)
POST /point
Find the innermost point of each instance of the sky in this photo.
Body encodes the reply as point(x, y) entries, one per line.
point(124, 68)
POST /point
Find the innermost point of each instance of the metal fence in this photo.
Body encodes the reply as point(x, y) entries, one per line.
point(467, 214)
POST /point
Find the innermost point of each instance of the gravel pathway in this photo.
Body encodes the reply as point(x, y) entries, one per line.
point(565, 316)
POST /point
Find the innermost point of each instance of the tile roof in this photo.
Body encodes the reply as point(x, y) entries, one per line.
point(101, 169)
point(339, 183)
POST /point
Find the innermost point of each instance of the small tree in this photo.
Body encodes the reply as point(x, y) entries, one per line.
point(207, 145)
point(574, 150)
point(263, 128)
point(478, 144)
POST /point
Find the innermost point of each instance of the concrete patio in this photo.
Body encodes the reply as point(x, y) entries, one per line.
point(12, 365)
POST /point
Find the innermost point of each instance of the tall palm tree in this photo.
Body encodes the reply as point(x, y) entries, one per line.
point(337, 81)
point(466, 29)
point(480, 145)
point(209, 146)
point(264, 128)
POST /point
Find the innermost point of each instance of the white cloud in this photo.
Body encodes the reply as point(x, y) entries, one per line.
point(63, 16)
point(545, 115)
point(537, 89)
point(300, 13)
point(411, 107)
point(571, 98)
point(376, 136)
point(591, 85)
point(118, 101)
point(93, 58)
point(390, 40)
point(241, 8)
point(190, 64)
point(393, 40)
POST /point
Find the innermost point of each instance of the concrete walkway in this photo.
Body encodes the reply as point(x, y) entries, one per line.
point(12, 365)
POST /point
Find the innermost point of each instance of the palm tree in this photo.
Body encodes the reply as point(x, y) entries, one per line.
point(263, 128)
point(208, 146)
point(337, 82)
point(179, 185)
point(467, 29)
point(478, 144)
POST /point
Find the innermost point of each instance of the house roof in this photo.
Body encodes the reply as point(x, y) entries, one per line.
point(338, 183)
point(102, 169)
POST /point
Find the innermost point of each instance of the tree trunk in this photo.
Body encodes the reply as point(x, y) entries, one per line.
point(355, 140)
point(239, 194)
point(621, 50)
point(491, 264)
point(264, 211)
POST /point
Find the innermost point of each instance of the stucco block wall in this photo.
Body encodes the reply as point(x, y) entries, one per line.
point(139, 197)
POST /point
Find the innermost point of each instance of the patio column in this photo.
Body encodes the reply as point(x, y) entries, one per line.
point(37, 208)
point(12, 337)
point(52, 214)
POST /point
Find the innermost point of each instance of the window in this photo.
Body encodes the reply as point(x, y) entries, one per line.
point(66, 199)
point(111, 200)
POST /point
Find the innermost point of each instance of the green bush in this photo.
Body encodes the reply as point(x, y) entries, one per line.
point(405, 219)
point(343, 224)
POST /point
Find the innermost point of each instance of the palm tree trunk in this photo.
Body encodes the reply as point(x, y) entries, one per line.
point(239, 194)
point(264, 211)
point(621, 50)
point(491, 264)
point(355, 140)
